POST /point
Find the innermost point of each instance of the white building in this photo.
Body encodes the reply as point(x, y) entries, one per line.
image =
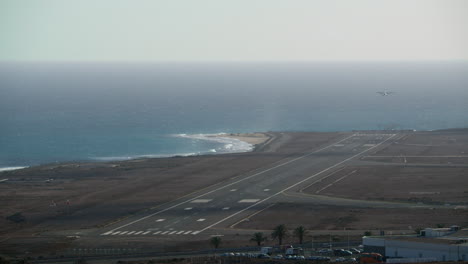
point(441, 244)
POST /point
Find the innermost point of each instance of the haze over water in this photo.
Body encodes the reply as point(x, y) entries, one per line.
point(54, 112)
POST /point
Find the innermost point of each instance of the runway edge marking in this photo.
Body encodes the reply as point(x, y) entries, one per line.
point(294, 185)
point(230, 184)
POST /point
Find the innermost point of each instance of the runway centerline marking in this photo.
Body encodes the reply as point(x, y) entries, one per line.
point(248, 200)
point(236, 182)
point(201, 220)
point(201, 201)
point(294, 185)
point(160, 220)
point(188, 208)
point(233, 190)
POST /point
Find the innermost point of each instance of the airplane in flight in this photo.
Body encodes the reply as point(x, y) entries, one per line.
point(385, 93)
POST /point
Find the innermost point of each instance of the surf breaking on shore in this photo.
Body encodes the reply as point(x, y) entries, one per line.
point(226, 143)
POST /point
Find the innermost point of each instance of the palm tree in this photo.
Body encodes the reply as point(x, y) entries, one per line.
point(215, 241)
point(279, 232)
point(258, 237)
point(300, 232)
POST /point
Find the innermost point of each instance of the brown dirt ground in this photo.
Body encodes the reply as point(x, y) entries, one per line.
point(99, 193)
point(436, 185)
point(319, 217)
point(436, 143)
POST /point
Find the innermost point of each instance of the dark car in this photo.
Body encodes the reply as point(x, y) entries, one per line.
point(342, 252)
point(318, 258)
point(263, 256)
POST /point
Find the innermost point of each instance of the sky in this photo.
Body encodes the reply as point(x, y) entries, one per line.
point(233, 30)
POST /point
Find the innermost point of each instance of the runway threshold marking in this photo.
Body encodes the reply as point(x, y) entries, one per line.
point(294, 185)
point(233, 183)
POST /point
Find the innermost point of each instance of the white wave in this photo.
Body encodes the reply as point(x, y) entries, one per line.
point(123, 158)
point(12, 168)
point(229, 145)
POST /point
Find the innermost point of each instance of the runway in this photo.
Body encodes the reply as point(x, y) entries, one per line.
point(226, 204)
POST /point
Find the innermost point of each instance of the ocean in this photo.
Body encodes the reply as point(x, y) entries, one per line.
point(59, 112)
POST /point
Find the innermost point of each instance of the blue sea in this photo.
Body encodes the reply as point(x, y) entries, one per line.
point(58, 112)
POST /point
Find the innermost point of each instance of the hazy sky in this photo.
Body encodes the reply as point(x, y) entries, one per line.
point(162, 30)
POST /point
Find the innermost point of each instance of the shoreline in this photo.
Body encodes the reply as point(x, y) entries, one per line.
point(249, 143)
point(254, 139)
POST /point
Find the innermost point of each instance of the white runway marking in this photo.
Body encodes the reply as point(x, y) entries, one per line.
point(298, 183)
point(188, 208)
point(146, 232)
point(338, 145)
point(188, 232)
point(155, 233)
point(331, 184)
point(369, 145)
point(124, 232)
point(233, 183)
point(266, 190)
point(201, 220)
point(172, 232)
point(139, 232)
point(115, 233)
point(107, 233)
point(195, 232)
point(248, 200)
point(201, 201)
point(165, 232)
point(226, 208)
point(160, 220)
point(233, 190)
point(180, 232)
point(131, 232)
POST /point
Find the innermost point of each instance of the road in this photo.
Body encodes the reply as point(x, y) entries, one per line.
point(226, 204)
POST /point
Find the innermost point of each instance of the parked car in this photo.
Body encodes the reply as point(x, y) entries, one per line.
point(340, 259)
point(263, 256)
point(355, 251)
point(325, 251)
point(342, 252)
point(278, 257)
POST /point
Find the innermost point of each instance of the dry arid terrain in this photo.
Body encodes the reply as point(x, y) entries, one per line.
point(419, 180)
